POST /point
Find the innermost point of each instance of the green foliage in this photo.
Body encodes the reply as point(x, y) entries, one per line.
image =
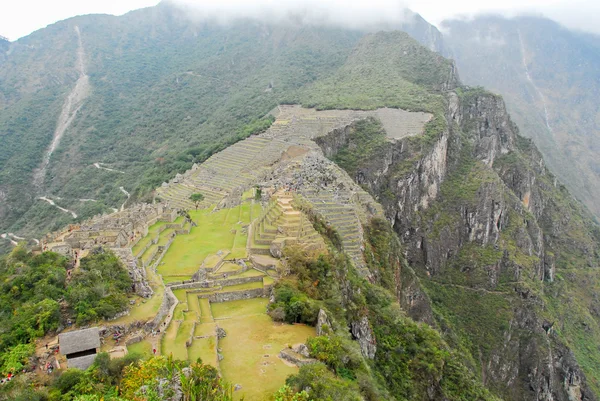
point(14, 359)
point(286, 393)
point(197, 198)
point(323, 384)
point(296, 306)
point(201, 382)
point(365, 140)
point(98, 289)
point(33, 286)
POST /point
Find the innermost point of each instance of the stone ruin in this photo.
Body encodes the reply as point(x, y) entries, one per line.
point(118, 232)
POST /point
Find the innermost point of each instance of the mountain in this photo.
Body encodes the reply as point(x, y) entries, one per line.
point(159, 92)
point(457, 266)
point(550, 80)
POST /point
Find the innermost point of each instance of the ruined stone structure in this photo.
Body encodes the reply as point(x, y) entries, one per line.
point(287, 156)
point(118, 232)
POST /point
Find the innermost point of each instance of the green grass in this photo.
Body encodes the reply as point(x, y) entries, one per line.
point(268, 280)
point(205, 313)
point(214, 232)
point(229, 267)
point(193, 305)
point(240, 287)
point(242, 307)
point(205, 349)
point(152, 231)
point(145, 309)
point(142, 348)
point(249, 340)
point(250, 273)
point(165, 236)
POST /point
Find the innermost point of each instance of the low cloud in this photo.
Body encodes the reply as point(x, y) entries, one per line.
point(387, 14)
point(358, 14)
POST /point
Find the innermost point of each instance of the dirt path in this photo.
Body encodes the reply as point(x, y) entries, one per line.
point(128, 196)
point(50, 201)
point(99, 167)
point(72, 104)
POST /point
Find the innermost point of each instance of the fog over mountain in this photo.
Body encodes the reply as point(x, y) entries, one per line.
point(17, 20)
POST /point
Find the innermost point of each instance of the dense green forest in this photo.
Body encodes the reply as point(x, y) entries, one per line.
point(39, 296)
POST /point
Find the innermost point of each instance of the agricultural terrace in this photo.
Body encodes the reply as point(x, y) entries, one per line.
point(224, 324)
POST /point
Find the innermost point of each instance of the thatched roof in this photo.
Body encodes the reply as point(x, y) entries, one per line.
point(82, 362)
point(79, 340)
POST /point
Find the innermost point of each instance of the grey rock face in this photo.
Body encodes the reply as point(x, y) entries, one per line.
point(529, 364)
point(323, 323)
point(363, 333)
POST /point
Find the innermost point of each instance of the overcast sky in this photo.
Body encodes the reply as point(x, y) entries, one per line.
point(21, 17)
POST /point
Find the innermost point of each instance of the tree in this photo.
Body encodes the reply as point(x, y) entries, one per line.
point(197, 198)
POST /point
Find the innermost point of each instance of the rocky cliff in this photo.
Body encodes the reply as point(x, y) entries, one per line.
point(506, 257)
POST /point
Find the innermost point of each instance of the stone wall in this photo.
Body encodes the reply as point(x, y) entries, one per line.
point(209, 284)
point(165, 311)
point(238, 295)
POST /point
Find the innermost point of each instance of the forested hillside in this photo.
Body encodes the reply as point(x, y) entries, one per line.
point(468, 273)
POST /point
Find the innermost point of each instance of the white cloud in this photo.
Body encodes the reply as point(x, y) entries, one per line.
point(345, 13)
point(19, 18)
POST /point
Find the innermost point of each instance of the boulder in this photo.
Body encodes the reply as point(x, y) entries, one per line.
point(323, 323)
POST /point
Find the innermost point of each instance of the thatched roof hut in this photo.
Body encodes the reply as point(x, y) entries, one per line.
point(80, 347)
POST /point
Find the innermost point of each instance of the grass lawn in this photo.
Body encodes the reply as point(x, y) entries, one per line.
point(268, 280)
point(212, 260)
point(205, 329)
point(193, 306)
point(165, 236)
point(205, 349)
point(176, 343)
point(152, 231)
point(149, 254)
point(181, 295)
point(250, 353)
point(168, 340)
point(245, 286)
point(243, 307)
point(205, 313)
point(250, 273)
point(145, 309)
point(229, 267)
point(142, 348)
point(187, 252)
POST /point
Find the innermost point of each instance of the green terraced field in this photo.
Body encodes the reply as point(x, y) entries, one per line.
point(215, 231)
point(251, 347)
point(205, 349)
point(242, 307)
point(142, 348)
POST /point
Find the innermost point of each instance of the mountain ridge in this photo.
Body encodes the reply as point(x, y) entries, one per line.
point(481, 241)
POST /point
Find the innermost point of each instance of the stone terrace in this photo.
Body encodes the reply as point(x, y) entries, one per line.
point(285, 156)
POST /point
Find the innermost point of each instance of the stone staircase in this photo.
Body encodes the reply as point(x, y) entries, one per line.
point(338, 211)
point(281, 225)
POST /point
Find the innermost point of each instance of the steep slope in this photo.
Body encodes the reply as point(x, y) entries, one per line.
point(164, 92)
point(550, 80)
point(507, 258)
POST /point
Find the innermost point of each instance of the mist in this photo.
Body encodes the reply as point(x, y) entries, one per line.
point(388, 14)
point(353, 14)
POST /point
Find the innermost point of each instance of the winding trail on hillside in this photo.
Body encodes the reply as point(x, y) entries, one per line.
point(128, 196)
point(71, 106)
point(50, 201)
point(100, 167)
point(539, 93)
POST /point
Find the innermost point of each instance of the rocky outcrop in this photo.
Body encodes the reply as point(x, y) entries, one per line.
point(323, 323)
point(478, 213)
point(362, 332)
